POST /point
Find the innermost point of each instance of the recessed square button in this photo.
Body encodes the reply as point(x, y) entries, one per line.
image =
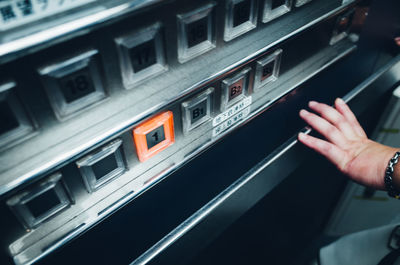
point(235, 88)
point(102, 166)
point(154, 135)
point(197, 110)
point(196, 32)
point(267, 69)
point(141, 55)
point(74, 84)
point(15, 123)
point(241, 12)
point(77, 85)
point(240, 17)
point(275, 8)
point(40, 202)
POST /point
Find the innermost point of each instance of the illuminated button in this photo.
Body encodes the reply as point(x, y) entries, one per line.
point(15, 123)
point(73, 84)
point(141, 55)
point(275, 8)
point(301, 2)
point(197, 110)
point(235, 88)
point(41, 202)
point(154, 135)
point(267, 69)
point(196, 32)
point(102, 166)
point(240, 17)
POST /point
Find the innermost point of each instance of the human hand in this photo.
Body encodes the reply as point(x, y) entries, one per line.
point(346, 145)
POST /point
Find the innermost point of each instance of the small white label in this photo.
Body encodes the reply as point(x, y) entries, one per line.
point(232, 111)
point(231, 121)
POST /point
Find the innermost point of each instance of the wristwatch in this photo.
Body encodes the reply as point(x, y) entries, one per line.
point(391, 189)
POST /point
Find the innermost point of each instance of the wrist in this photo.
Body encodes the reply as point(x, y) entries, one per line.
point(391, 176)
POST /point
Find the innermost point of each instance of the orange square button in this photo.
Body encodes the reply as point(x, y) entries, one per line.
point(154, 135)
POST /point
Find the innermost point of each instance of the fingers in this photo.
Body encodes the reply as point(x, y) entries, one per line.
point(330, 132)
point(333, 153)
point(344, 109)
point(334, 117)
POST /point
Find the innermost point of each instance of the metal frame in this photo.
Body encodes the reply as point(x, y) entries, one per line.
point(85, 165)
point(51, 75)
point(276, 57)
point(232, 32)
point(25, 125)
point(186, 53)
point(226, 83)
point(131, 41)
point(18, 203)
point(270, 14)
point(301, 2)
point(188, 105)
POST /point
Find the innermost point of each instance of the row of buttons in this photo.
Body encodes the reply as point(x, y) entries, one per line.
point(37, 204)
point(76, 83)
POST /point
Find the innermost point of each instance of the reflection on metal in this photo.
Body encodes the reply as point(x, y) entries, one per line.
point(11, 48)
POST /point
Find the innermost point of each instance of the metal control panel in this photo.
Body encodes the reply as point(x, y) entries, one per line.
point(93, 119)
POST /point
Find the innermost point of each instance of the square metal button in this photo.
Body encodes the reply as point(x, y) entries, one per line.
point(240, 17)
point(141, 55)
point(235, 88)
point(197, 110)
point(15, 124)
point(275, 8)
point(103, 165)
point(267, 69)
point(73, 84)
point(39, 203)
point(196, 32)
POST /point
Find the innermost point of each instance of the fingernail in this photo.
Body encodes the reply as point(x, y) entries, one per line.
point(312, 103)
point(340, 101)
point(302, 136)
point(303, 112)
